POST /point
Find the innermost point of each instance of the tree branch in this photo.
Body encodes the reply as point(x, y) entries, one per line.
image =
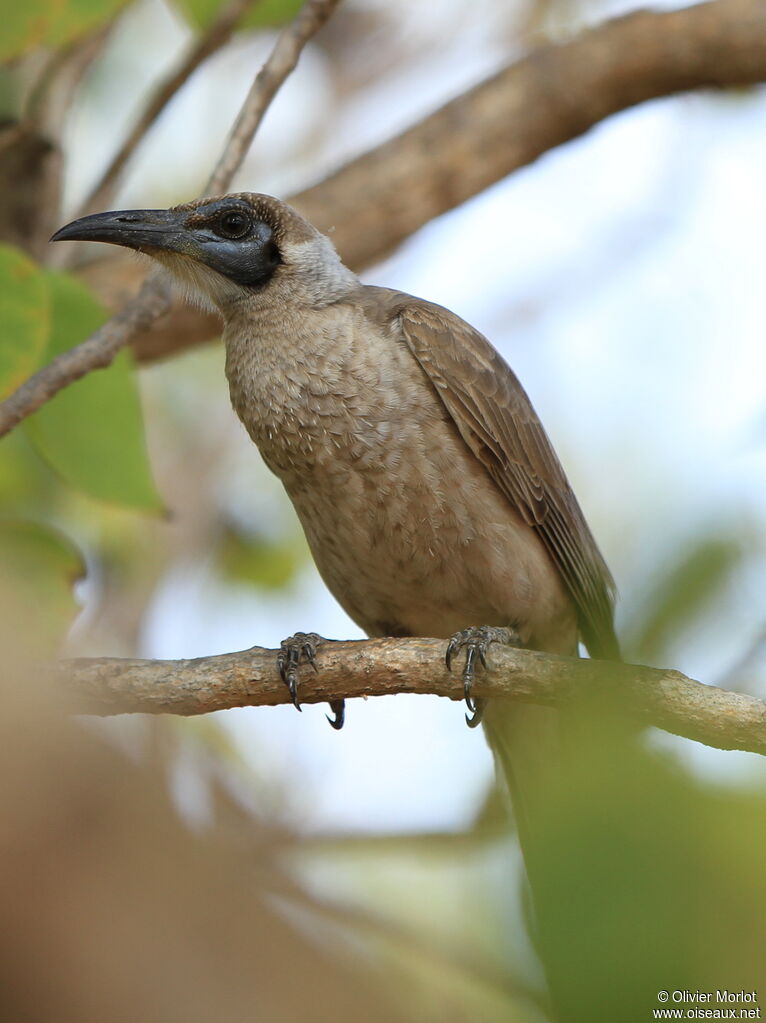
point(551, 96)
point(379, 667)
point(49, 98)
point(215, 37)
point(505, 122)
point(269, 79)
point(153, 300)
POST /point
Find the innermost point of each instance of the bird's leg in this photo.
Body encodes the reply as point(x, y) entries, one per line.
point(477, 640)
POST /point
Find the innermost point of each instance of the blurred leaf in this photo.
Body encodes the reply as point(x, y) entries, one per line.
point(8, 94)
point(263, 14)
point(200, 13)
point(680, 596)
point(268, 13)
point(24, 26)
point(24, 318)
point(91, 433)
point(249, 559)
point(50, 23)
point(24, 477)
point(39, 566)
point(646, 880)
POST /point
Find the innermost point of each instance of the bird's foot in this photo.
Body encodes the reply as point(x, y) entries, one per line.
point(476, 641)
point(295, 650)
point(292, 651)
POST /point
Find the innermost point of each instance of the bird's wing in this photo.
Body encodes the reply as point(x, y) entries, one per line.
point(498, 423)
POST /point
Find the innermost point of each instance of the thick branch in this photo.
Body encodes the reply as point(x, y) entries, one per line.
point(153, 300)
point(382, 667)
point(504, 123)
point(542, 101)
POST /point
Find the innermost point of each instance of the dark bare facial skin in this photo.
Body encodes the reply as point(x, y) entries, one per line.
point(225, 234)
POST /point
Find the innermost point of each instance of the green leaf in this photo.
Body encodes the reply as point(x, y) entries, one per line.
point(91, 433)
point(635, 860)
point(271, 13)
point(199, 13)
point(50, 22)
point(25, 480)
point(24, 26)
point(24, 318)
point(266, 14)
point(38, 566)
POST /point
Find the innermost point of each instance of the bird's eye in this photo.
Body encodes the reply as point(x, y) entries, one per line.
point(234, 224)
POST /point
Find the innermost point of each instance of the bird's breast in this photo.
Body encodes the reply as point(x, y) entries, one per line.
point(404, 523)
point(321, 401)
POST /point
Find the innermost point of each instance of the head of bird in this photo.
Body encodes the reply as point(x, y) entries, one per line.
point(244, 247)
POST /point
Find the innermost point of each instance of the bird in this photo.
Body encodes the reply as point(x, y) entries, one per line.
point(430, 495)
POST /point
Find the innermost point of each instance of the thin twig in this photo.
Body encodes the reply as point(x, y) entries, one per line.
point(666, 699)
point(216, 36)
point(99, 350)
point(280, 64)
point(50, 96)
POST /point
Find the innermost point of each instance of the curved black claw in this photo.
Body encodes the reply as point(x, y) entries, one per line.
point(293, 651)
point(476, 641)
point(477, 715)
point(338, 707)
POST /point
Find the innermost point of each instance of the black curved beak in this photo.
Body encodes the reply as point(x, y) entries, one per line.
point(135, 229)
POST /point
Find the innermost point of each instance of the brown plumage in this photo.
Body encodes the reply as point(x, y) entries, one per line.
point(498, 423)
